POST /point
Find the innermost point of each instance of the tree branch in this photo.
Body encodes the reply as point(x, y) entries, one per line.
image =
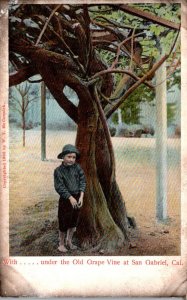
point(109, 110)
point(29, 101)
point(117, 24)
point(46, 24)
point(88, 37)
point(147, 16)
point(21, 75)
point(101, 73)
point(122, 44)
point(26, 88)
point(35, 53)
point(26, 105)
point(132, 48)
point(16, 100)
point(33, 99)
point(174, 67)
point(16, 109)
point(118, 35)
point(106, 130)
point(126, 47)
point(73, 56)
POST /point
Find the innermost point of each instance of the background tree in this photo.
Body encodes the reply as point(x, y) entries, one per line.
point(161, 37)
point(21, 102)
point(64, 44)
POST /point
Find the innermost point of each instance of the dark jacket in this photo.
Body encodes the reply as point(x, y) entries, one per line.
point(69, 180)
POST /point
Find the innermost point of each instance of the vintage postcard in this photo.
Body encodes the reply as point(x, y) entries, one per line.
point(93, 148)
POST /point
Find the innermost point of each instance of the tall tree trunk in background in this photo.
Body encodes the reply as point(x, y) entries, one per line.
point(120, 123)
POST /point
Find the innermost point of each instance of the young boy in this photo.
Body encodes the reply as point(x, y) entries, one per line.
point(70, 184)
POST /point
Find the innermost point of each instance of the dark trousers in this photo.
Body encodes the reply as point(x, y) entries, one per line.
point(67, 215)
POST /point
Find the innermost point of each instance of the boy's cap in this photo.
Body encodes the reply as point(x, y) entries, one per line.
point(68, 149)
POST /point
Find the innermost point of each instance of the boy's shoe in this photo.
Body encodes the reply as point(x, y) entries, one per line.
point(62, 248)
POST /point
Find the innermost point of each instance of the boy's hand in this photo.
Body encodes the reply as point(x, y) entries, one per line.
point(73, 202)
point(80, 202)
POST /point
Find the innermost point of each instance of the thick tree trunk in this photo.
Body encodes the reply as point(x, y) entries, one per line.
point(103, 217)
point(103, 220)
point(106, 172)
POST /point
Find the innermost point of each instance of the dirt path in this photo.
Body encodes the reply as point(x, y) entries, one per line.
point(33, 201)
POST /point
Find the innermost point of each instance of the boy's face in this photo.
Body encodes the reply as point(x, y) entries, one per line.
point(69, 159)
